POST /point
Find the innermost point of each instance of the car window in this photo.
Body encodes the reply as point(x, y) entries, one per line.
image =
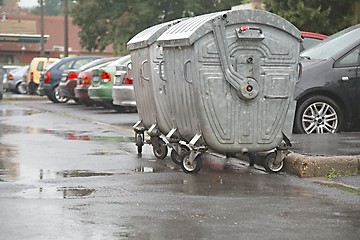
point(81, 62)
point(66, 65)
point(40, 66)
point(309, 42)
point(349, 60)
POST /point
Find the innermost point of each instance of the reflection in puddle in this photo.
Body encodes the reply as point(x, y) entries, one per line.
point(9, 170)
point(81, 173)
point(66, 134)
point(144, 169)
point(17, 112)
point(58, 192)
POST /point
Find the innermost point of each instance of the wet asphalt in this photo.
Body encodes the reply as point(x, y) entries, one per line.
point(72, 172)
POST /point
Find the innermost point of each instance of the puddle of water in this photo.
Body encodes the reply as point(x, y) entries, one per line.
point(17, 112)
point(9, 170)
point(81, 173)
point(58, 192)
point(66, 134)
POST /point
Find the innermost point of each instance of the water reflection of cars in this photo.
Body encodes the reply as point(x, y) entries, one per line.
point(328, 91)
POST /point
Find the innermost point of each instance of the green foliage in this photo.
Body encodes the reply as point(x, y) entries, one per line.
point(116, 22)
point(52, 7)
point(322, 16)
point(332, 174)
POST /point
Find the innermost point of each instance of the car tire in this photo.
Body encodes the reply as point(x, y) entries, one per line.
point(20, 89)
point(56, 97)
point(318, 114)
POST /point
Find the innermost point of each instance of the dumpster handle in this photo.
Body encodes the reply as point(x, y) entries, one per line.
point(185, 71)
point(142, 70)
point(248, 88)
point(161, 63)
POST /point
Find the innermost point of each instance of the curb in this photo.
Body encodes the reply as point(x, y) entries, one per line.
point(320, 166)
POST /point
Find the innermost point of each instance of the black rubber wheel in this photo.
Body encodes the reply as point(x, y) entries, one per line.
point(20, 88)
point(177, 158)
point(162, 151)
point(139, 142)
point(268, 163)
point(191, 168)
point(56, 97)
point(318, 114)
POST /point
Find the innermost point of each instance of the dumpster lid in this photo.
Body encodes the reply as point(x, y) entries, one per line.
point(190, 30)
point(148, 36)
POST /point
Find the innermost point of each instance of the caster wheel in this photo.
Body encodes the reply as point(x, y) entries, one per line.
point(139, 142)
point(269, 165)
point(177, 157)
point(162, 151)
point(188, 167)
point(251, 159)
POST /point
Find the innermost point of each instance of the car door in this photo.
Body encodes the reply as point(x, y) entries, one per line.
point(347, 71)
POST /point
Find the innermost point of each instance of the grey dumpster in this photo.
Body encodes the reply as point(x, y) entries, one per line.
point(146, 56)
point(2, 71)
point(231, 77)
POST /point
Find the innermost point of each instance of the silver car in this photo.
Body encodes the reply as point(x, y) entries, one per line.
point(14, 81)
point(123, 90)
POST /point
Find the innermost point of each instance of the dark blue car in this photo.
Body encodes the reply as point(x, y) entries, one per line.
point(50, 78)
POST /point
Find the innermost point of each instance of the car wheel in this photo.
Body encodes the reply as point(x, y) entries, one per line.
point(20, 88)
point(57, 98)
point(318, 114)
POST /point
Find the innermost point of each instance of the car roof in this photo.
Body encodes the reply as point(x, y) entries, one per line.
point(66, 59)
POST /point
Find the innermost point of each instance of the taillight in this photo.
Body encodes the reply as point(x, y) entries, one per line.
point(47, 77)
point(72, 76)
point(32, 76)
point(127, 80)
point(105, 77)
point(10, 77)
point(86, 80)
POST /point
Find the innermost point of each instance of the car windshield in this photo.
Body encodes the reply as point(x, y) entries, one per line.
point(330, 46)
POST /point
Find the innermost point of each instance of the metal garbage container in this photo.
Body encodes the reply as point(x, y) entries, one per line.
point(146, 56)
point(2, 72)
point(231, 77)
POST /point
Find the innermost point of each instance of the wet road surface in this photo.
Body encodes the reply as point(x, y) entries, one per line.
point(70, 172)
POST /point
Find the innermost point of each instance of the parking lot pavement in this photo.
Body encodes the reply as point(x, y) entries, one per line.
point(321, 157)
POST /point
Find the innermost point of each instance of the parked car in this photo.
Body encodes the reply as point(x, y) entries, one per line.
point(50, 78)
point(311, 39)
point(328, 93)
point(37, 65)
point(4, 73)
point(123, 90)
point(15, 79)
point(100, 89)
point(83, 83)
point(69, 77)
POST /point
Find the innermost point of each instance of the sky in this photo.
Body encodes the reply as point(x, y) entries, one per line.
point(28, 3)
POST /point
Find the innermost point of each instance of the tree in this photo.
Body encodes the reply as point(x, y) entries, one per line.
point(322, 16)
point(116, 22)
